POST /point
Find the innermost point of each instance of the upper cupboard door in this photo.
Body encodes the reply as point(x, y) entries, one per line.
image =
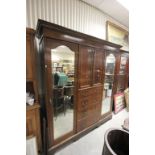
point(85, 66)
point(98, 66)
point(123, 64)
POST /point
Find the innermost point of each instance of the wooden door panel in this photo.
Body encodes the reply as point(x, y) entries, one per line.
point(85, 66)
point(82, 124)
point(98, 67)
point(83, 103)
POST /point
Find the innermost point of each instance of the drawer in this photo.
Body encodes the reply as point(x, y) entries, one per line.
point(97, 90)
point(82, 114)
point(94, 115)
point(82, 124)
point(93, 119)
point(97, 99)
point(93, 91)
point(83, 103)
point(93, 108)
point(83, 93)
point(87, 119)
point(94, 100)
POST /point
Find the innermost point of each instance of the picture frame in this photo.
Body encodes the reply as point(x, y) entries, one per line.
point(119, 102)
point(117, 35)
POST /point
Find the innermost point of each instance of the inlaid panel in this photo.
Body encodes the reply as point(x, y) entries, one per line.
point(85, 66)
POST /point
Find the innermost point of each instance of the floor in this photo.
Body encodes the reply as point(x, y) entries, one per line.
point(92, 143)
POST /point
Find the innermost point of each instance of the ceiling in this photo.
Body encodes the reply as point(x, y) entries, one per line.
point(112, 8)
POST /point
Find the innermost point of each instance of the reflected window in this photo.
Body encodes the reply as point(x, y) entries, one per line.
point(62, 59)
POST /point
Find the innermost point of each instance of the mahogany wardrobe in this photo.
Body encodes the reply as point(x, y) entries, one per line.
point(77, 75)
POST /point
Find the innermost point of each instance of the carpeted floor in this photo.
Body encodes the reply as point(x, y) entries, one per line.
point(92, 143)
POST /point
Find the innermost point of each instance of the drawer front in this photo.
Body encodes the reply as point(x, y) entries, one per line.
point(83, 103)
point(87, 101)
point(82, 124)
point(84, 93)
point(82, 114)
point(82, 108)
point(95, 100)
point(92, 116)
point(89, 106)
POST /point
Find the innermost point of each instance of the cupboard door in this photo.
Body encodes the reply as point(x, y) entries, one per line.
point(122, 73)
point(98, 67)
point(61, 78)
point(110, 70)
point(85, 66)
point(28, 58)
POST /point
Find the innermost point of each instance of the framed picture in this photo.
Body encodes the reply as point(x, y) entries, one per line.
point(119, 102)
point(31, 146)
point(117, 35)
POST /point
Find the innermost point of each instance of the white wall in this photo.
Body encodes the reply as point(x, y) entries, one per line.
point(73, 14)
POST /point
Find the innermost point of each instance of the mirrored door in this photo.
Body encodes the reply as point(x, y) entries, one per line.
point(63, 76)
point(121, 73)
point(108, 83)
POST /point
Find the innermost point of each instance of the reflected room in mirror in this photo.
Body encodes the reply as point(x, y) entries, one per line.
point(63, 59)
point(108, 83)
point(123, 64)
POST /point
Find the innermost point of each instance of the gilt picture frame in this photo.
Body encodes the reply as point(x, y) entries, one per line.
point(117, 35)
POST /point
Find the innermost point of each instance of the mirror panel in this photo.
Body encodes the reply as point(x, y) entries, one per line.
point(123, 61)
point(63, 60)
point(108, 83)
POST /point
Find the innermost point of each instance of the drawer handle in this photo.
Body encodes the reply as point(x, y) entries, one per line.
point(84, 103)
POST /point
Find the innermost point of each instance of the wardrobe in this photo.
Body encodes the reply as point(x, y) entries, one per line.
point(77, 79)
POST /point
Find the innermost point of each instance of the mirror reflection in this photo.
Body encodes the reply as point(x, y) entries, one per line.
point(123, 64)
point(108, 83)
point(63, 90)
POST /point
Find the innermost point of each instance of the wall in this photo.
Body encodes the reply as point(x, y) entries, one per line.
point(73, 14)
